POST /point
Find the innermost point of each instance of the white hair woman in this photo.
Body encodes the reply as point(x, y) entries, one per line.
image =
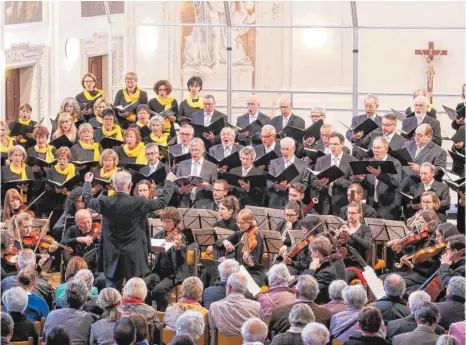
point(86, 149)
point(301, 314)
point(335, 292)
point(157, 129)
point(134, 295)
point(17, 170)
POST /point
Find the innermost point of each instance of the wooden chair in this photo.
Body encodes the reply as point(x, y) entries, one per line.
point(232, 340)
point(28, 342)
point(337, 342)
point(160, 315)
point(39, 326)
point(166, 336)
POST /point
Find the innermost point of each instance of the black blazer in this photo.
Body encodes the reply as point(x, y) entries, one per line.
point(460, 109)
point(184, 110)
point(361, 241)
point(443, 192)
point(125, 238)
point(260, 150)
point(367, 212)
point(324, 275)
point(405, 325)
point(295, 121)
point(253, 138)
point(256, 195)
point(435, 124)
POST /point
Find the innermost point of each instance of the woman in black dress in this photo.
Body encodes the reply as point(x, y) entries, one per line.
point(24, 118)
point(163, 101)
point(133, 149)
point(18, 170)
point(194, 101)
point(131, 94)
point(86, 149)
point(87, 98)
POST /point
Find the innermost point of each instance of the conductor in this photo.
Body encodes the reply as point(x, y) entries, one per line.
point(124, 240)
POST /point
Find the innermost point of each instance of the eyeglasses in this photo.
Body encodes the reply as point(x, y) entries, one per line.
point(266, 136)
point(218, 190)
point(387, 124)
point(185, 134)
point(88, 81)
point(352, 213)
point(164, 89)
point(291, 215)
point(151, 153)
point(167, 221)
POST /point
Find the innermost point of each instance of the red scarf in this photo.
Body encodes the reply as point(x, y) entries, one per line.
point(132, 300)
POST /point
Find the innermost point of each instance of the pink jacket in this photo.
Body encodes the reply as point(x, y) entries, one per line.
point(457, 330)
point(276, 297)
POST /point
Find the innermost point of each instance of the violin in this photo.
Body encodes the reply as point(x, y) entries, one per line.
point(23, 209)
point(249, 240)
point(12, 256)
point(422, 255)
point(95, 231)
point(44, 243)
point(302, 243)
point(173, 236)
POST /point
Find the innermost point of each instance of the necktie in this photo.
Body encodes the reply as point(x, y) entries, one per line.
point(195, 172)
point(285, 121)
point(267, 149)
point(207, 118)
point(419, 120)
point(418, 151)
point(252, 119)
point(336, 161)
point(427, 187)
point(184, 150)
point(245, 172)
point(376, 194)
point(287, 164)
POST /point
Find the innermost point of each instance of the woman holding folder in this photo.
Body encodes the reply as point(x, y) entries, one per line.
point(158, 134)
point(130, 95)
point(109, 127)
point(99, 106)
point(66, 127)
point(41, 150)
point(6, 142)
point(164, 102)
point(86, 150)
point(17, 170)
point(109, 166)
point(133, 149)
point(24, 118)
point(89, 95)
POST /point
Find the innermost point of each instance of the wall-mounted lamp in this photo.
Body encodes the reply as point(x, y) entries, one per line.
point(147, 38)
point(314, 38)
point(72, 49)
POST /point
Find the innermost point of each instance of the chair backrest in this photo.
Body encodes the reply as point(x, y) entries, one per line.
point(39, 326)
point(160, 316)
point(232, 340)
point(30, 341)
point(337, 342)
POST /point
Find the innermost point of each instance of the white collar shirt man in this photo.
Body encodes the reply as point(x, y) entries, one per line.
point(227, 150)
point(253, 117)
point(246, 171)
point(270, 148)
point(336, 160)
point(207, 119)
point(289, 162)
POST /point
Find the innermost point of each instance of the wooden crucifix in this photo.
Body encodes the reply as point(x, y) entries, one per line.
point(430, 73)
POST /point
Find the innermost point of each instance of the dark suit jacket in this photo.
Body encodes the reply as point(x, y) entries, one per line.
point(392, 308)
point(338, 199)
point(324, 275)
point(422, 335)
point(208, 174)
point(278, 199)
point(389, 201)
point(356, 121)
point(214, 293)
point(279, 322)
point(260, 150)
point(287, 338)
point(294, 121)
point(443, 192)
point(405, 325)
point(176, 149)
point(396, 142)
point(218, 150)
point(367, 212)
point(125, 238)
point(256, 195)
point(451, 309)
point(253, 138)
point(435, 124)
point(198, 118)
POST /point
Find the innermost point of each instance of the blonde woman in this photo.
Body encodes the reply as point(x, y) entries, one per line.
point(86, 149)
point(133, 149)
point(89, 95)
point(17, 170)
point(6, 142)
point(41, 150)
point(66, 127)
point(102, 330)
point(158, 134)
point(131, 94)
point(99, 106)
point(109, 166)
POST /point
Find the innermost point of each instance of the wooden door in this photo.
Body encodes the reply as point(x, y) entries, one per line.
point(95, 67)
point(12, 89)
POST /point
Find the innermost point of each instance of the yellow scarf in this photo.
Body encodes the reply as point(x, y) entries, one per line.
point(166, 102)
point(162, 140)
point(93, 146)
point(109, 174)
point(140, 125)
point(48, 152)
point(199, 104)
point(429, 108)
point(116, 130)
point(27, 122)
point(131, 99)
point(5, 149)
point(21, 171)
point(138, 152)
point(99, 120)
point(89, 97)
point(69, 171)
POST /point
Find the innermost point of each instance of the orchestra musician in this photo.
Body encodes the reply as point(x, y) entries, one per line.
point(292, 221)
point(228, 208)
point(6, 248)
point(355, 193)
point(247, 245)
point(170, 267)
point(449, 267)
point(13, 205)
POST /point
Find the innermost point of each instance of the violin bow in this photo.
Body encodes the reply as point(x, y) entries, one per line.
point(35, 200)
point(42, 231)
point(17, 232)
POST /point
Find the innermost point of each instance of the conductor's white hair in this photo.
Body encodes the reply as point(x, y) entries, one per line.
point(238, 283)
point(278, 274)
point(191, 323)
point(227, 268)
point(254, 329)
point(371, 97)
point(26, 258)
point(315, 334)
point(335, 289)
point(121, 180)
point(269, 128)
point(228, 130)
point(287, 142)
point(416, 299)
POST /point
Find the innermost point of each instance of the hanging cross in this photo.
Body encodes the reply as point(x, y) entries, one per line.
point(430, 73)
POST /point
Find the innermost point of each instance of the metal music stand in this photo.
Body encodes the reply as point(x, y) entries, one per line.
point(207, 218)
point(272, 243)
point(189, 219)
point(204, 237)
point(275, 217)
point(155, 226)
point(222, 233)
point(261, 217)
point(295, 236)
point(331, 223)
point(38, 223)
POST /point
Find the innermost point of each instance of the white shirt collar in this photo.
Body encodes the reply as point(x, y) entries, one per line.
point(421, 117)
point(200, 161)
point(389, 137)
point(154, 167)
point(420, 148)
point(289, 160)
point(229, 148)
point(339, 156)
point(255, 115)
point(429, 185)
point(271, 147)
point(247, 170)
point(385, 158)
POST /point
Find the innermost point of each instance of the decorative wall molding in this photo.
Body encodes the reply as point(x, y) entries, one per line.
point(25, 55)
point(98, 45)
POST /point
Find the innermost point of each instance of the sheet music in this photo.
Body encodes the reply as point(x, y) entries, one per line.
point(253, 288)
point(160, 245)
point(374, 282)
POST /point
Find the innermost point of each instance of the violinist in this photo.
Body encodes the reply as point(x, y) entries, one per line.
point(424, 224)
point(360, 238)
point(445, 230)
point(80, 237)
point(321, 268)
point(6, 248)
point(452, 260)
point(171, 267)
point(13, 205)
point(293, 216)
point(247, 245)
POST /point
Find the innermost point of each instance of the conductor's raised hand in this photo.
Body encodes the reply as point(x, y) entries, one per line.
point(89, 177)
point(170, 177)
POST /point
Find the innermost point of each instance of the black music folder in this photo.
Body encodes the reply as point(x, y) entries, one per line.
point(157, 176)
point(88, 164)
point(254, 180)
point(110, 143)
point(214, 127)
point(452, 113)
point(458, 158)
point(144, 130)
point(265, 159)
point(363, 152)
point(32, 184)
point(61, 141)
point(313, 130)
point(101, 181)
point(69, 184)
point(367, 126)
point(188, 180)
point(289, 131)
point(130, 108)
point(313, 154)
point(32, 161)
point(286, 175)
point(20, 129)
point(133, 166)
point(399, 115)
point(411, 199)
point(457, 185)
point(252, 128)
point(459, 135)
point(176, 159)
point(359, 167)
point(333, 173)
point(231, 161)
point(169, 112)
point(402, 155)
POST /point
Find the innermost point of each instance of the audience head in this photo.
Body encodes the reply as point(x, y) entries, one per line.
point(135, 288)
point(58, 335)
point(369, 320)
point(76, 294)
point(183, 340)
point(6, 243)
point(307, 288)
point(86, 276)
point(335, 289)
point(253, 330)
point(427, 314)
point(456, 286)
point(122, 181)
point(227, 268)
point(191, 323)
point(110, 300)
point(416, 299)
point(142, 328)
point(355, 296)
point(124, 332)
point(7, 326)
point(237, 283)
point(15, 300)
point(300, 315)
point(394, 285)
point(192, 288)
point(75, 264)
point(27, 278)
point(278, 275)
point(26, 258)
point(445, 230)
point(447, 340)
point(315, 334)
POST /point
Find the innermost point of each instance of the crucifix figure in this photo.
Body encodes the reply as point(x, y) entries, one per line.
point(430, 73)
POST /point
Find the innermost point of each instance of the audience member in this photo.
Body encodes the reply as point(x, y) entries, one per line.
point(451, 307)
point(7, 329)
point(254, 330)
point(124, 332)
point(337, 303)
point(73, 318)
point(300, 316)
point(142, 329)
point(427, 317)
point(369, 322)
point(190, 323)
point(447, 340)
point(315, 334)
point(218, 291)
point(392, 305)
point(458, 330)
point(58, 335)
point(183, 340)
point(102, 330)
point(134, 295)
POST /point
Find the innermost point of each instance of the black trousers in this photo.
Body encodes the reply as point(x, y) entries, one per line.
point(159, 286)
